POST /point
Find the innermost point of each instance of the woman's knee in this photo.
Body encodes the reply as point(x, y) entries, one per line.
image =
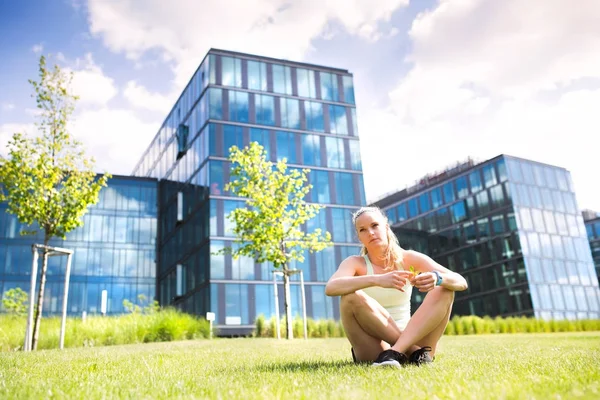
point(354, 300)
point(441, 293)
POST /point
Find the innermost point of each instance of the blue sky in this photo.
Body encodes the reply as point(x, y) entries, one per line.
point(436, 81)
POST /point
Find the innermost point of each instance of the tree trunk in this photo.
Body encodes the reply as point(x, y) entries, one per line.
point(287, 302)
point(40, 299)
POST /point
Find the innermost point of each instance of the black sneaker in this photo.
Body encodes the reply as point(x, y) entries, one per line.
point(390, 358)
point(421, 356)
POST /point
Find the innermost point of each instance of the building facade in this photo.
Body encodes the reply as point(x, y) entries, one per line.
point(301, 112)
point(512, 228)
point(114, 250)
point(592, 226)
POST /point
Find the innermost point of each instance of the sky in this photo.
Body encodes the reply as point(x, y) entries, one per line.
point(436, 82)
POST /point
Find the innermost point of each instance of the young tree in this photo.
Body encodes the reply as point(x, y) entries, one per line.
point(48, 181)
point(15, 301)
point(269, 229)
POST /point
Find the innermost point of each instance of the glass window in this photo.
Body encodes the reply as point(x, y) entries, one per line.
point(469, 229)
point(348, 89)
point(558, 201)
point(217, 261)
point(306, 83)
point(525, 218)
point(527, 169)
point(232, 136)
point(498, 224)
point(538, 220)
point(489, 175)
point(497, 196)
point(354, 123)
point(483, 201)
point(216, 177)
point(436, 197)
point(502, 175)
point(236, 307)
point(314, 116)
point(343, 231)
point(390, 213)
point(344, 188)
point(449, 192)
point(424, 202)
point(355, 159)
point(238, 106)
point(286, 146)
point(483, 227)
point(311, 150)
point(458, 212)
point(562, 179)
point(231, 72)
point(475, 180)
point(401, 212)
point(282, 79)
point(265, 109)
point(337, 120)
point(549, 219)
point(290, 113)
point(335, 152)
point(215, 103)
point(550, 177)
point(413, 211)
point(329, 86)
point(461, 187)
point(320, 190)
point(257, 75)
point(539, 175)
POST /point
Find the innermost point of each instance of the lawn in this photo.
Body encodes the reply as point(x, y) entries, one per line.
point(543, 366)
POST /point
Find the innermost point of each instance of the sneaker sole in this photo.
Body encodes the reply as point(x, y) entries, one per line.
point(390, 363)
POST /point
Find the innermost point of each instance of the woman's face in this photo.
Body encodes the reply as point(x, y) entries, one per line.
point(372, 230)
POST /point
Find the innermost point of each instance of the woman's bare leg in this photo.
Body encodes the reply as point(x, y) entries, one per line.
point(428, 323)
point(368, 326)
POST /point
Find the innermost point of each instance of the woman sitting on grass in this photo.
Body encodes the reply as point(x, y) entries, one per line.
point(376, 289)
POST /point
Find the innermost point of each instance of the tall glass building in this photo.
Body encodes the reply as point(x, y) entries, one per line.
point(512, 228)
point(592, 226)
point(114, 250)
point(301, 112)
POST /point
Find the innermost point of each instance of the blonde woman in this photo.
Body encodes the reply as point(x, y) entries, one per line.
point(375, 290)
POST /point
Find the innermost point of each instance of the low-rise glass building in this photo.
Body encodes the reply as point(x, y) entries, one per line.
point(592, 226)
point(114, 250)
point(512, 228)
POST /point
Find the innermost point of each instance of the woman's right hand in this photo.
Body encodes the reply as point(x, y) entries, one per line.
point(394, 279)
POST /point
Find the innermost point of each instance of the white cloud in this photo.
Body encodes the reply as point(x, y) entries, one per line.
point(8, 106)
point(90, 84)
point(487, 78)
point(140, 97)
point(183, 32)
point(116, 138)
point(38, 48)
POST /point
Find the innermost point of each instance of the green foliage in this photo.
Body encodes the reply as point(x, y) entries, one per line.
point(15, 301)
point(471, 324)
point(164, 325)
point(143, 305)
point(269, 229)
point(47, 181)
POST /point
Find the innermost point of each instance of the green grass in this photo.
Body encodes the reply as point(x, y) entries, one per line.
point(544, 366)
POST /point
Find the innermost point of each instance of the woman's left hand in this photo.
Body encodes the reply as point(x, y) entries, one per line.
point(425, 281)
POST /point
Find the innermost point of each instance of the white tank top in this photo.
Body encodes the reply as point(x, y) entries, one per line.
point(397, 303)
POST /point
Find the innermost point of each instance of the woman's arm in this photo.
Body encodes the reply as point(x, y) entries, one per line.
point(426, 281)
point(345, 279)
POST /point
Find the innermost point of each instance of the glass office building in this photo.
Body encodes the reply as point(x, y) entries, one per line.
point(301, 112)
point(512, 228)
point(592, 226)
point(114, 250)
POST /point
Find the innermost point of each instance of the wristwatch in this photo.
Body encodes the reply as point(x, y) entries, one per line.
point(438, 282)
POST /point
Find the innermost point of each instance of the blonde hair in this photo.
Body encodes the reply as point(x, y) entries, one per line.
point(393, 252)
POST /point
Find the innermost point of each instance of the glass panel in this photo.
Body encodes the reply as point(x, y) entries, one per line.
point(329, 87)
point(337, 120)
point(265, 109)
point(257, 75)
point(282, 79)
point(306, 83)
point(348, 89)
point(475, 180)
point(314, 116)
point(231, 72)
point(311, 150)
point(290, 113)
